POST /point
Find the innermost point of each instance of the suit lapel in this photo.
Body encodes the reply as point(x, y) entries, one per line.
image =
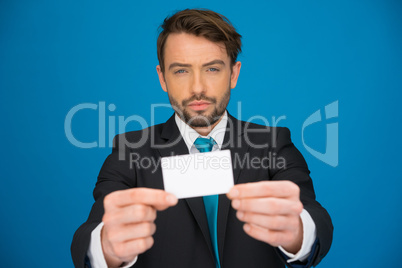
point(235, 142)
point(172, 143)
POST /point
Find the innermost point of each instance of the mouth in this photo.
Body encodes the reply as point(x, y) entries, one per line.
point(199, 105)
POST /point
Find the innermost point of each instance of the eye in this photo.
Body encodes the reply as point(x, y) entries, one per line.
point(181, 71)
point(213, 69)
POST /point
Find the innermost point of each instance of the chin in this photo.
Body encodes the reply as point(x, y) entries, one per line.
point(199, 121)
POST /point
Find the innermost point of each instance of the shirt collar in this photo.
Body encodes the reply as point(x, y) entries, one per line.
point(190, 135)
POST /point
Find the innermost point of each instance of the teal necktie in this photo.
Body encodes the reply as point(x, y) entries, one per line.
point(210, 202)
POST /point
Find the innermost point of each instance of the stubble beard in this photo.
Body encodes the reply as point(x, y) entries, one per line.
point(201, 119)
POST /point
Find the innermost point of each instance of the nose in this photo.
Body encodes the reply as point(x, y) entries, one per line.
point(197, 84)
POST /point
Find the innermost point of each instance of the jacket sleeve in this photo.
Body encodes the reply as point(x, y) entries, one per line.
point(295, 169)
point(114, 175)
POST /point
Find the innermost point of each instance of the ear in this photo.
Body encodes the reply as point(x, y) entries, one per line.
point(235, 74)
point(161, 78)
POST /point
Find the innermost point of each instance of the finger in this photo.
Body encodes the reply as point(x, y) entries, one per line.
point(268, 206)
point(274, 238)
point(159, 199)
point(274, 223)
point(282, 189)
point(130, 214)
point(130, 232)
point(127, 251)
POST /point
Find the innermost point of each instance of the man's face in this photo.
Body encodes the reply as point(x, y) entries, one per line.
point(198, 78)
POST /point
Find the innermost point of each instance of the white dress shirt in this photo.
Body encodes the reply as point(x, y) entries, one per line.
point(95, 253)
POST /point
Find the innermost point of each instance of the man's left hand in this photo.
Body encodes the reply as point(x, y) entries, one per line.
point(271, 212)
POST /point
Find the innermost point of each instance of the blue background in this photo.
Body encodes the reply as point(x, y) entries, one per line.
point(298, 57)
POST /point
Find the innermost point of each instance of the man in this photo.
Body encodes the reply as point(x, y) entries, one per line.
point(268, 219)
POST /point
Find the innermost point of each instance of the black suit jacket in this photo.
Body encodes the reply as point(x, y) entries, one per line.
point(182, 237)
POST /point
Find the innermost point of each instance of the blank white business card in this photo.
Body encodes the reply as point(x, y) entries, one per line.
point(199, 174)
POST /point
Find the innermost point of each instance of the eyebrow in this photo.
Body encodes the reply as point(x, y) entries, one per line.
point(220, 62)
point(178, 64)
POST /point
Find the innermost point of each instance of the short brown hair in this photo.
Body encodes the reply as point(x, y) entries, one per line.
point(200, 22)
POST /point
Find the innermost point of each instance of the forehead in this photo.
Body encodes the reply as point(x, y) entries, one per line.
point(188, 48)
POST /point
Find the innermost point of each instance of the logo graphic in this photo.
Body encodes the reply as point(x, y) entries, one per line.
point(330, 156)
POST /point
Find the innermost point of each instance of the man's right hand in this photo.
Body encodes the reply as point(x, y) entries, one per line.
point(129, 222)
